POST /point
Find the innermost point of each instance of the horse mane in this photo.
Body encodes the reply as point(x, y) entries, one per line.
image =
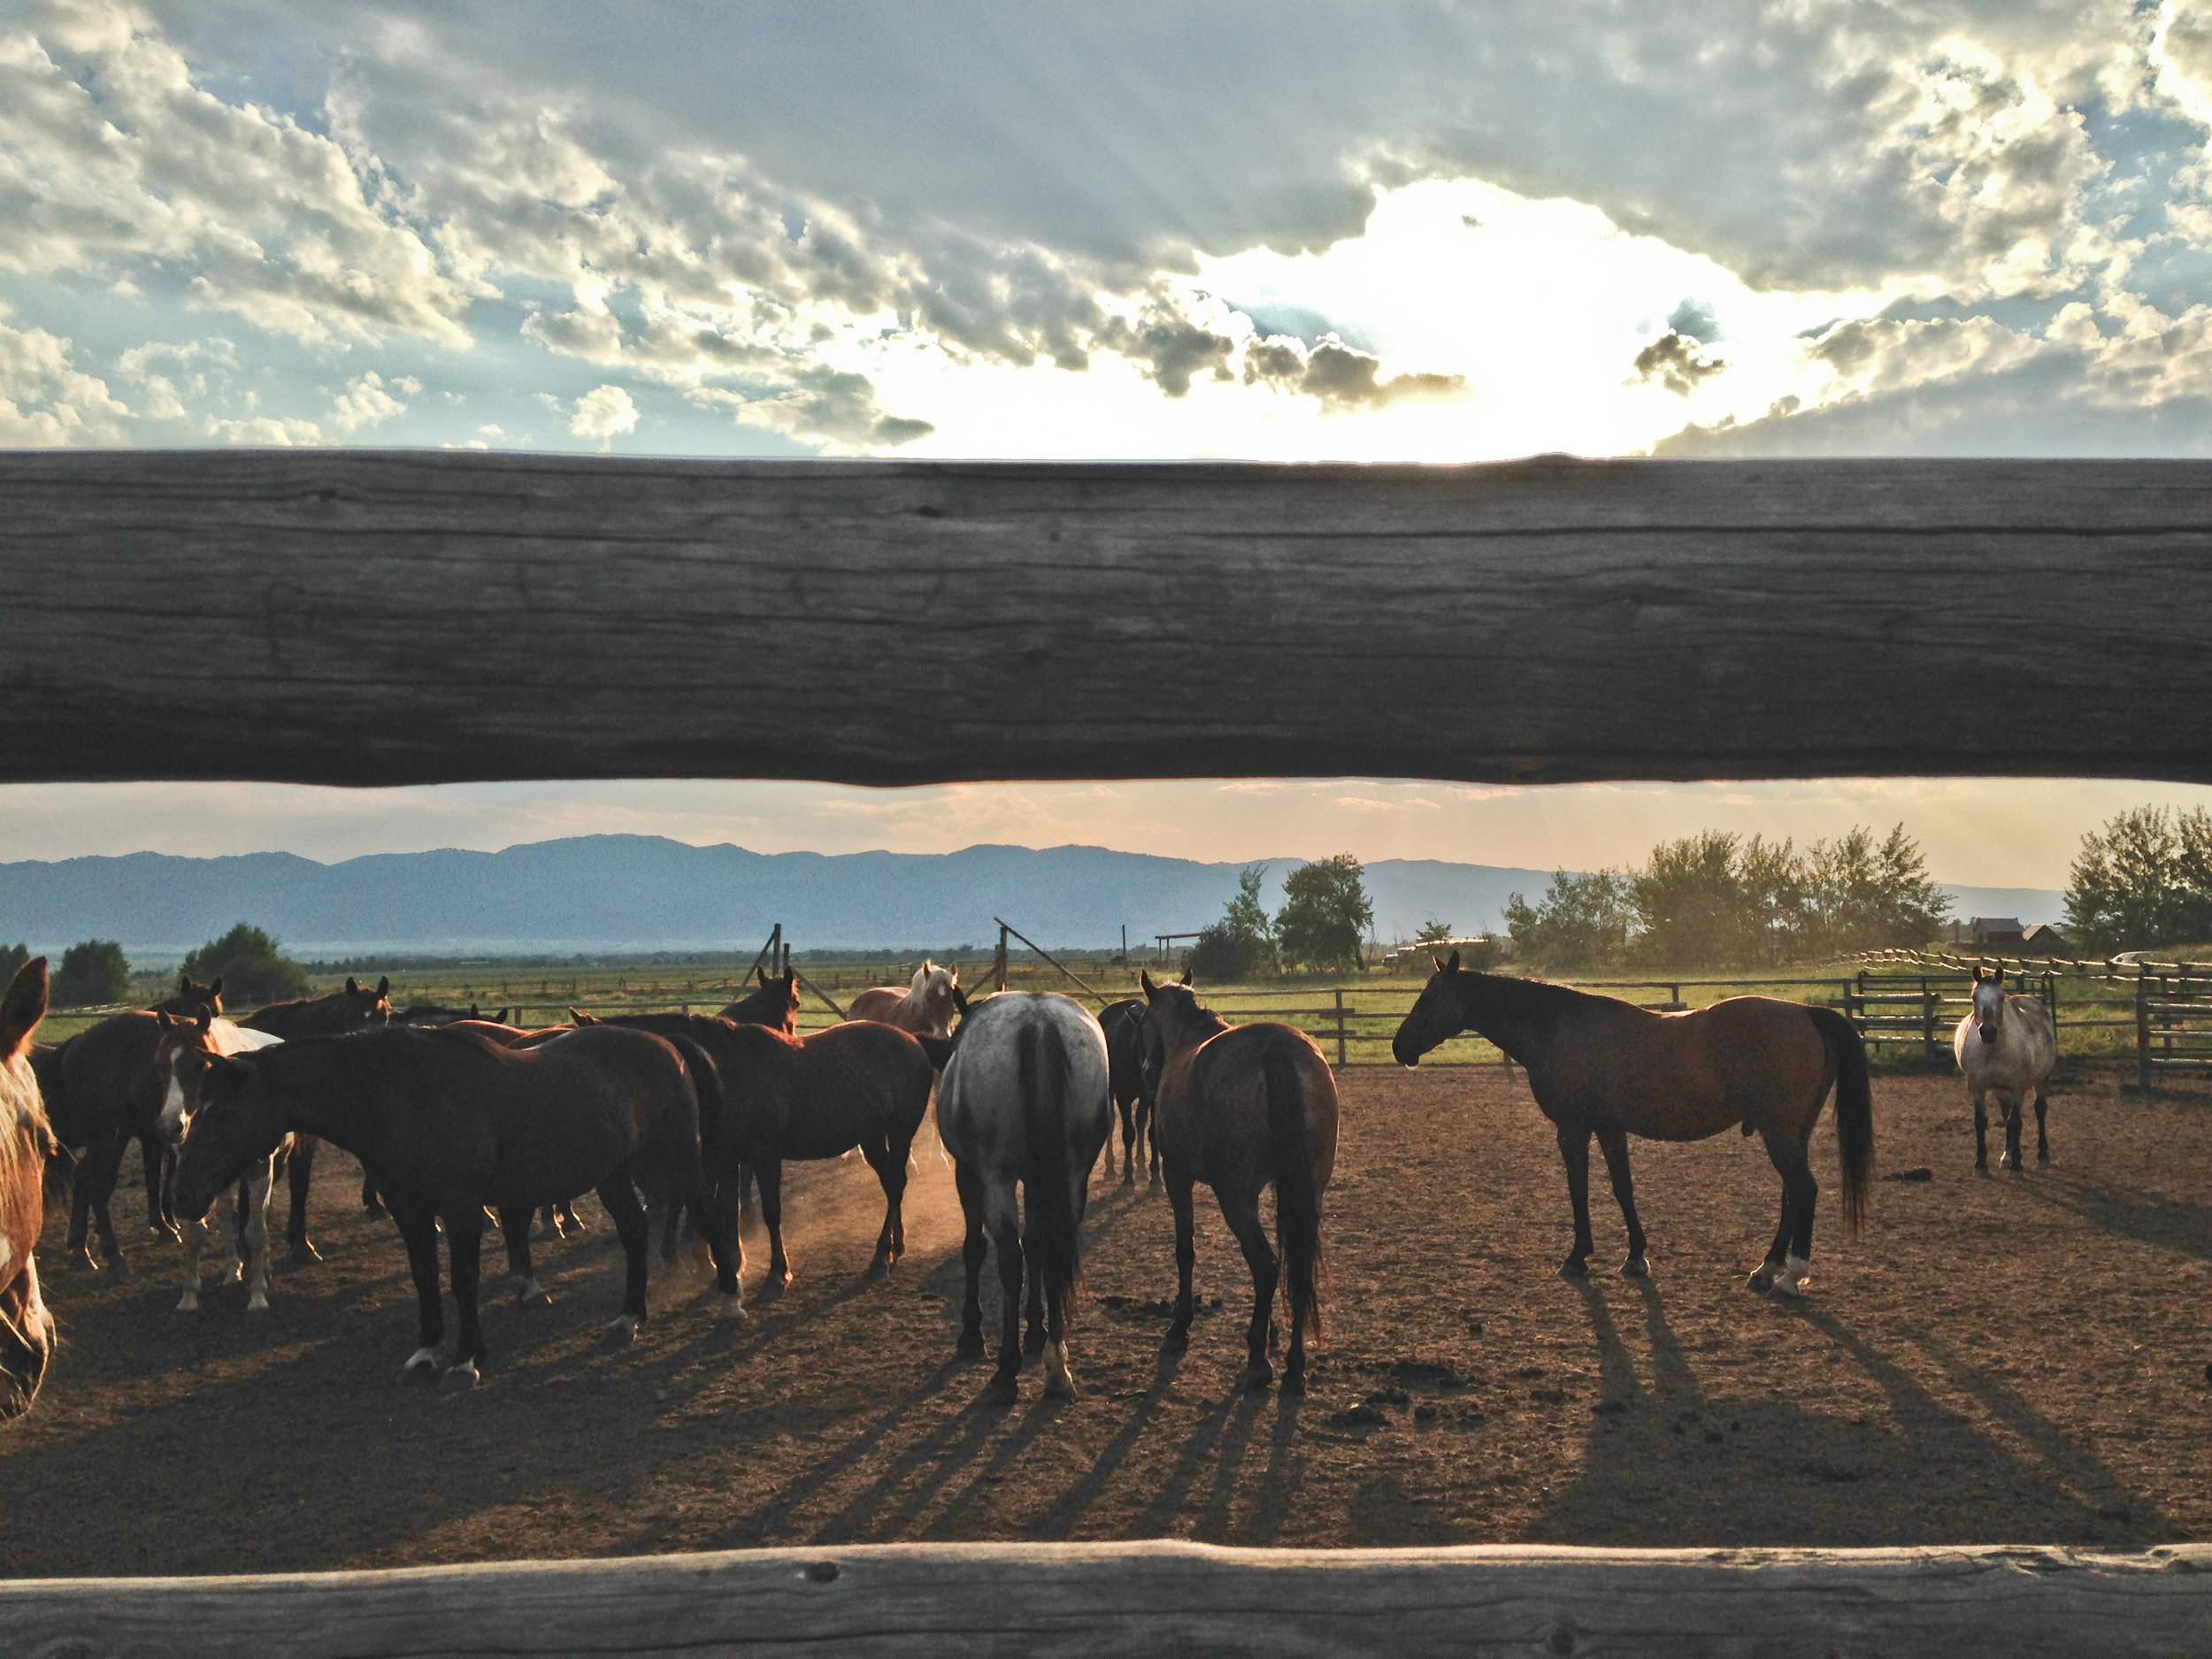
point(23, 1124)
point(1538, 1000)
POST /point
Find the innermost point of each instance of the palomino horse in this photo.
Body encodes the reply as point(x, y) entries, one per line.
point(26, 1329)
point(2008, 1046)
point(1026, 1100)
point(1240, 1108)
point(1600, 1066)
point(352, 1009)
point(207, 1035)
point(449, 1125)
point(1123, 1023)
point(926, 1006)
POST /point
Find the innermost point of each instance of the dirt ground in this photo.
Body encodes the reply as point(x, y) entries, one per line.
point(1999, 1358)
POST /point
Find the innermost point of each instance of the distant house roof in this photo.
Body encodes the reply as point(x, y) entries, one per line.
point(2044, 938)
point(1984, 924)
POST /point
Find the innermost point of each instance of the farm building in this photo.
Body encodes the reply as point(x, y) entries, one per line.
point(2043, 940)
point(1992, 935)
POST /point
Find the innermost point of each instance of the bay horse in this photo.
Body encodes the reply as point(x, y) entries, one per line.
point(774, 1003)
point(1600, 1066)
point(2006, 1045)
point(26, 1329)
point(1123, 1024)
point(861, 1084)
point(452, 1125)
point(927, 1005)
point(1025, 1100)
point(207, 1035)
point(1242, 1108)
point(351, 1009)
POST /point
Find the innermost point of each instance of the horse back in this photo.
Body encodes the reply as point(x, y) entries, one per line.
point(1211, 1113)
point(107, 1077)
point(1753, 1060)
point(570, 1111)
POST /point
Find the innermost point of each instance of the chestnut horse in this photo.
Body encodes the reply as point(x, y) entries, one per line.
point(26, 1329)
point(1027, 1101)
point(775, 1003)
point(1242, 1108)
point(925, 1007)
point(1600, 1066)
point(2006, 1046)
point(450, 1124)
point(208, 1036)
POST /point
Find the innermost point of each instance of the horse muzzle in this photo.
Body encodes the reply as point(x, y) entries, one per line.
point(1989, 1033)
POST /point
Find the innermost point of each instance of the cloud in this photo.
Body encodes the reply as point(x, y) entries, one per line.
point(45, 400)
point(366, 401)
point(604, 411)
point(1339, 377)
point(1673, 359)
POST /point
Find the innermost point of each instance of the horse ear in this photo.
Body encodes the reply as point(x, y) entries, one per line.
point(353, 986)
point(1977, 974)
point(161, 1018)
point(384, 986)
point(1453, 965)
point(581, 1017)
point(1144, 981)
point(960, 1002)
point(1186, 978)
point(23, 1007)
point(206, 1021)
point(760, 974)
point(955, 977)
point(215, 986)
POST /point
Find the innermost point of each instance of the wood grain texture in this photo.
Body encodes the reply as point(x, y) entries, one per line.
point(364, 617)
point(899, 1600)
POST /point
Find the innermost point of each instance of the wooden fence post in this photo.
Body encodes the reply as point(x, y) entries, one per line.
point(1340, 1027)
point(2142, 1028)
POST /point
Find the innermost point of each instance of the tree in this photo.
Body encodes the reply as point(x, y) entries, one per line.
point(1432, 933)
point(11, 960)
point(91, 974)
point(1581, 922)
point(1326, 915)
point(253, 964)
point(2144, 880)
point(1865, 897)
point(1238, 946)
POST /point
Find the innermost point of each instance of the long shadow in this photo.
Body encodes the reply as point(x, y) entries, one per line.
point(1200, 1448)
point(1061, 1519)
point(2172, 1224)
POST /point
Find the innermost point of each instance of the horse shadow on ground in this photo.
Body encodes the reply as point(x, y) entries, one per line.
point(2165, 1224)
point(1666, 1461)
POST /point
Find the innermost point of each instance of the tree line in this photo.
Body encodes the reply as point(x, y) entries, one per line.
point(1721, 900)
point(2142, 882)
point(95, 973)
point(1322, 927)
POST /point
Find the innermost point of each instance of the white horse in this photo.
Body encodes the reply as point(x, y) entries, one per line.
point(179, 1079)
point(1026, 1098)
point(2006, 1045)
point(926, 1008)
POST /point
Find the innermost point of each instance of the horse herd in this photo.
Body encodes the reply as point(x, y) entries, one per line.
point(455, 1118)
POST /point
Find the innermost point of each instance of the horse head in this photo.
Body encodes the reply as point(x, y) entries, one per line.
point(1989, 1003)
point(26, 1329)
point(191, 994)
point(234, 1119)
point(935, 988)
point(1436, 1014)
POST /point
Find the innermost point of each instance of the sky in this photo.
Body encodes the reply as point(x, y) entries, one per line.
point(1387, 231)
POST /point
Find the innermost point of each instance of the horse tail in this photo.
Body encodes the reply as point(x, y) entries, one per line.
point(706, 1084)
point(1297, 1199)
point(1053, 1229)
point(1854, 1111)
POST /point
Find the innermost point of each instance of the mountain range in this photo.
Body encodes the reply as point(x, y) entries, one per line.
point(609, 894)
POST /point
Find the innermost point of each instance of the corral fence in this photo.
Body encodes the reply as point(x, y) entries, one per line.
point(1572, 621)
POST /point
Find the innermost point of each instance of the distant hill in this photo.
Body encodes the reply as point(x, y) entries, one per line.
point(624, 893)
point(638, 893)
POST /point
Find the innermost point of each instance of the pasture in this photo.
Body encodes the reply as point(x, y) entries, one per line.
point(1997, 1357)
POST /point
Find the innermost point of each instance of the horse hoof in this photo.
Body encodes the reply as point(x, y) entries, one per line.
point(460, 1379)
point(256, 1304)
point(879, 1269)
point(771, 1289)
point(422, 1367)
point(119, 1269)
point(1636, 1267)
point(189, 1302)
point(1033, 1344)
point(970, 1346)
point(1574, 1267)
point(303, 1254)
point(620, 1332)
point(1176, 1341)
point(1761, 1281)
point(729, 1308)
point(533, 1295)
point(374, 1212)
point(1000, 1391)
point(1294, 1382)
point(1059, 1385)
point(1257, 1376)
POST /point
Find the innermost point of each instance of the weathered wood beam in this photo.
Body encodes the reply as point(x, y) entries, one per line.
point(351, 617)
point(900, 1600)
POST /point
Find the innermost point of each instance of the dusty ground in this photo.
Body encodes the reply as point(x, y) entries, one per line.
point(1999, 1358)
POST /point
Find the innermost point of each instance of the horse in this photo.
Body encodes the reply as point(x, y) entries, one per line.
point(207, 1035)
point(452, 1125)
point(1600, 1066)
point(784, 1098)
point(436, 1014)
point(26, 1329)
point(341, 1011)
point(1241, 1108)
point(1123, 1023)
point(1026, 1099)
point(925, 1006)
point(774, 1003)
point(2009, 1046)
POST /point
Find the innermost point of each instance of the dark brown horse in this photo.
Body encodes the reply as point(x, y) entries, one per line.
point(26, 1329)
point(354, 1008)
point(1242, 1109)
point(450, 1124)
point(859, 1084)
point(774, 1003)
point(1123, 1023)
point(1600, 1066)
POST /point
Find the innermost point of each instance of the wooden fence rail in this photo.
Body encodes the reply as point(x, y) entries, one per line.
point(1076, 1600)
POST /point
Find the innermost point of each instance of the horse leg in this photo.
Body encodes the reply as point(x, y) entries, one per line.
point(254, 1235)
point(619, 1197)
point(890, 1167)
point(370, 1202)
point(1178, 1199)
point(195, 1232)
point(418, 1229)
point(1241, 1211)
point(153, 1159)
point(1801, 1192)
point(464, 1250)
point(1006, 1232)
point(297, 1171)
point(514, 1232)
point(1128, 1144)
point(1574, 1151)
point(2042, 1136)
point(1981, 1133)
point(972, 1250)
point(718, 1224)
point(2011, 1160)
point(1148, 1122)
point(1613, 1144)
point(105, 1170)
point(770, 1171)
point(1033, 1338)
